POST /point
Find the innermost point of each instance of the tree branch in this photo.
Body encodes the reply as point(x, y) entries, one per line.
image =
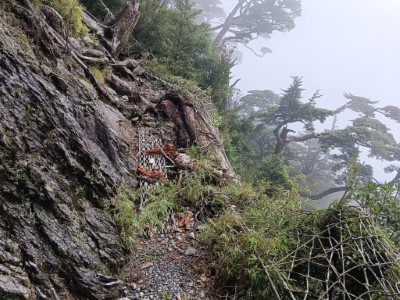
point(304, 138)
point(324, 193)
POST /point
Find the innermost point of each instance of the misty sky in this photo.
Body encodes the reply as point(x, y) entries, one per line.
point(337, 46)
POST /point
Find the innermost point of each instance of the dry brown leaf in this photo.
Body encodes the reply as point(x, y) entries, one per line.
point(186, 219)
point(146, 265)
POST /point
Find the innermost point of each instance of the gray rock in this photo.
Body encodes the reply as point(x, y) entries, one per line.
point(93, 53)
point(11, 288)
point(65, 147)
point(139, 71)
point(190, 251)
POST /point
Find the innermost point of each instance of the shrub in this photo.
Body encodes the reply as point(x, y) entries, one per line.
point(253, 234)
point(183, 48)
point(273, 172)
point(268, 248)
point(382, 202)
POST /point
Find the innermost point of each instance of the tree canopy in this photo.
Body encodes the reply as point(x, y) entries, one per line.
point(250, 19)
point(291, 110)
point(285, 126)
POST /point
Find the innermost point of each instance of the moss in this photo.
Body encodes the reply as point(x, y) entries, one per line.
point(72, 13)
point(99, 74)
point(21, 37)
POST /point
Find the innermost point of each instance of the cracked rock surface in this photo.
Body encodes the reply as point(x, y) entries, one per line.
point(66, 144)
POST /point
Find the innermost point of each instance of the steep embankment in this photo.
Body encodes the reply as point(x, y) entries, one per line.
point(68, 139)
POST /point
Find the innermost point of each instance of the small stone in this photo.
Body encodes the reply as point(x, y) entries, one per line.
point(190, 251)
point(132, 285)
point(202, 294)
point(151, 124)
point(191, 235)
point(88, 40)
point(141, 294)
point(138, 70)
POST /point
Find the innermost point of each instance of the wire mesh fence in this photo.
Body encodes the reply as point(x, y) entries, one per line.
point(148, 141)
point(349, 257)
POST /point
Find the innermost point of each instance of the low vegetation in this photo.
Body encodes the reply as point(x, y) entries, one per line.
point(272, 249)
point(141, 211)
point(266, 244)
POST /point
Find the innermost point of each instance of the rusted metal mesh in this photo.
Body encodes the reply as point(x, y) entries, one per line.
point(149, 161)
point(350, 258)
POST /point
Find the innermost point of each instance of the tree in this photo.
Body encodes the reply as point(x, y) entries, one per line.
point(210, 10)
point(250, 19)
point(366, 132)
point(183, 48)
point(291, 110)
point(257, 100)
point(321, 159)
point(114, 33)
point(120, 27)
point(313, 168)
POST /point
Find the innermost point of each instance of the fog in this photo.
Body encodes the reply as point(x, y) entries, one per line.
point(337, 46)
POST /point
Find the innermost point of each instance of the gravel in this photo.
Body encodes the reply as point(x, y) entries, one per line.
point(168, 271)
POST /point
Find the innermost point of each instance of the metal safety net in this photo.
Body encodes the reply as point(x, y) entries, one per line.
point(345, 256)
point(152, 162)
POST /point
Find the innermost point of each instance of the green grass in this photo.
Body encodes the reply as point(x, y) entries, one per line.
point(133, 220)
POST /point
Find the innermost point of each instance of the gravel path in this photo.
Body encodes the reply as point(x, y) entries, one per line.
point(169, 266)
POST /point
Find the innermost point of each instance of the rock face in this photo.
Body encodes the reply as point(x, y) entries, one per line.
point(64, 148)
point(62, 151)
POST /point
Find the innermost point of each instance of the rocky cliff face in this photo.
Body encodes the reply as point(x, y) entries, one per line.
point(67, 141)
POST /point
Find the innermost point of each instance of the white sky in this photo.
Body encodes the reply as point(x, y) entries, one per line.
point(337, 46)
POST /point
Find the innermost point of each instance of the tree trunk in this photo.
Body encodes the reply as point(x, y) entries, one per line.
point(226, 26)
point(122, 26)
point(194, 128)
point(281, 139)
